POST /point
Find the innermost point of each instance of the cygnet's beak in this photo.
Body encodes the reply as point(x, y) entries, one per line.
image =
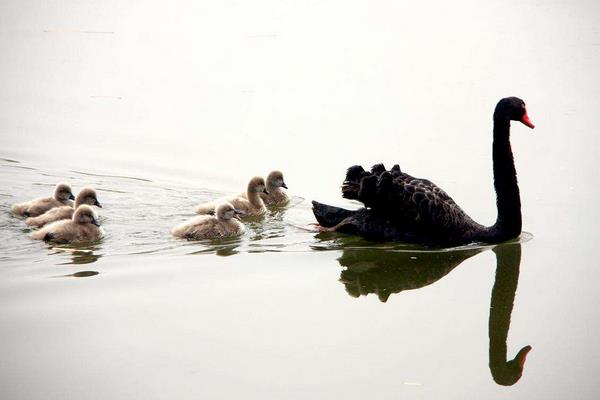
point(97, 204)
point(95, 222)
point(283, 185)
point(71, 197)
point(239, 213)
point(265, 191)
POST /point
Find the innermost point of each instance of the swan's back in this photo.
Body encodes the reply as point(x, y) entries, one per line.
point(414, 204)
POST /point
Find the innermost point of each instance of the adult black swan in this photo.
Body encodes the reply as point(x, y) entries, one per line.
point(400, 207)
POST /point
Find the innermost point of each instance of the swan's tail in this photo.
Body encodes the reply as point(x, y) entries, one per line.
point(329, 216)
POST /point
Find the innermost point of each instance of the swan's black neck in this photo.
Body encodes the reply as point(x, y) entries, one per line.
point(508, 200)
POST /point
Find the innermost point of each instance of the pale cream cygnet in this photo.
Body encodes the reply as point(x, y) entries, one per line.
point(252, 204)
point(82, 228)
point(62, 197)
point(86, 195)
point(224, 224)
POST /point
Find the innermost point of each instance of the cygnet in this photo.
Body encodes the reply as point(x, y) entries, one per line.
point(275, 185)
point(252, 204)
point(82, 228)
point(62, 197)
point(224, 224)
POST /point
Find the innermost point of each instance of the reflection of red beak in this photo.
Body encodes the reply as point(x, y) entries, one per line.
point(522, 356)
point(525, 120)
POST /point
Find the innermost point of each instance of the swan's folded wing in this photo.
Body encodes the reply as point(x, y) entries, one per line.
point(421, 202)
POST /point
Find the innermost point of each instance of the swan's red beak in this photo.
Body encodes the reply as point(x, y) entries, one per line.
point(525, 120)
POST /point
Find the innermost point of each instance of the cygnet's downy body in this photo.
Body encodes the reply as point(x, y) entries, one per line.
point(82, 228)
point(62, 197)
point(85, 196)
point(224, 224)
point(251, 205)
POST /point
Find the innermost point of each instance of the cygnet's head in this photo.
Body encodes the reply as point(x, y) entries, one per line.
point(85, 215)
point(257, 185)
point(275, 180)
point(62, 192)
point(225, 211)
point(87, 195)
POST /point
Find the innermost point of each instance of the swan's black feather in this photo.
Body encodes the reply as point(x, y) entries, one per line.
point(398, 207)
point(378, 169)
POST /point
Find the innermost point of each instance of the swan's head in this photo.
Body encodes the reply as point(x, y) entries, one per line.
point(85, 215)
point(514, 109)
point(62, 192)
point(87, 195)
point(275, 180)
point(257, 185)
point(225, 211)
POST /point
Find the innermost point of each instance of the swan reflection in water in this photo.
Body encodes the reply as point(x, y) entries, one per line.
point(385, 272)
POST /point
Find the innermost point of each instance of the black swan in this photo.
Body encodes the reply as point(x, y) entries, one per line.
point(400, 207)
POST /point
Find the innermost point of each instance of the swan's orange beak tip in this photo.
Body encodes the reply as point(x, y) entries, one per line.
point(526, 121)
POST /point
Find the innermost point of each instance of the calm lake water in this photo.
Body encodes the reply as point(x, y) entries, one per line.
point(162, 106)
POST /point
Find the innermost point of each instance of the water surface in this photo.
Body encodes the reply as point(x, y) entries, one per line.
point(162, 106)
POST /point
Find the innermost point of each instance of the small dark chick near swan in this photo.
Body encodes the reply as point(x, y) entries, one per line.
point(403, 208)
